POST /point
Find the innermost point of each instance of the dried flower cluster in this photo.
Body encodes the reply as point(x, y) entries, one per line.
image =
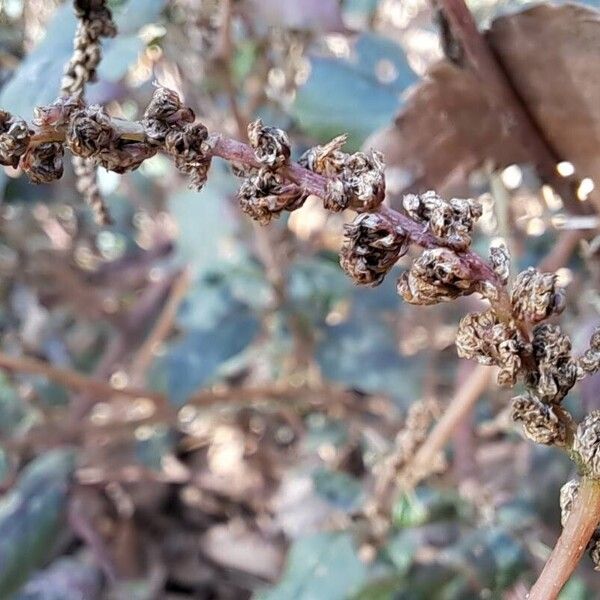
point(265, 192)
point(95, 22)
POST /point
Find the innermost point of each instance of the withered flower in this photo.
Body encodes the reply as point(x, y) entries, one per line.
point(164, 113)
point(540, 421)
point(59, 113)
point(438, 275)
point(372, 245)
point(336, 198)
point(587, 443)
point(14, 139)
point(43, 163)
point(450, 221)
point(556, 372)
point(90, 132)
point(326, 160)
point(500, 261)
point(568, 494)
point(589, 363)
point(483, 337)
point(191, 151)
point(271, 144)
point(364, 180)
point(264, 195)
point(536, 296)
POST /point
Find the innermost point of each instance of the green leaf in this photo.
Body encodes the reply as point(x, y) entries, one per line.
point(339, 489)
point(31, 516)
point(320, 567)
point(356, 95)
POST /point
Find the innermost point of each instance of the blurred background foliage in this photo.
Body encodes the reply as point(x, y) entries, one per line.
point(269, 389)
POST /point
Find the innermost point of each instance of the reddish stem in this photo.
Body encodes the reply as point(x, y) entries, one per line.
point(571, 545)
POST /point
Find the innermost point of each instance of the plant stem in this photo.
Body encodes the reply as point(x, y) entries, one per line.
point(571, 544)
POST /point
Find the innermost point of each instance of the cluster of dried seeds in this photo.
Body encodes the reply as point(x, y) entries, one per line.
point(265, 193)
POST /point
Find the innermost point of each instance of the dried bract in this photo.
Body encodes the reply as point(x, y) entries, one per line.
point(43, 163)
point(164, 113)
point(540, 421)
point(594, 550)
point(587, 443)
point(556, 372)
point(335, 199)
point(90, 132)
point(326, 160)
point(536, 296)
point(568, 494)
point(264, 195)
point(372, 245)
point(59, 113)
point(589, 363)
point(438, 275)
point(14, 139)
point(449, 221)
point(189, 147)
point(364, 180)
point(483, 337)
point(500, 261)
point(271, 145)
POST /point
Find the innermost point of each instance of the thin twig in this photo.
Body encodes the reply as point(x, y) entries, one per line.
point(163, 326)
point(580, 525)
point(464, 399)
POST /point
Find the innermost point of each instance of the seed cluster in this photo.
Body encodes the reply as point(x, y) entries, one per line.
point(95, 22)
point(265, 192)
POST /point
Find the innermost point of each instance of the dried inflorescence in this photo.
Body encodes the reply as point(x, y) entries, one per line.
point(265, 195)
point(438, 275)
point(587, 444)
point(372, 245)
point(14, 139)
point(327, 160)
point(500, 261)
point(43, 163)
point(483, 337)
point(271, 145)
point(540, 421)
point(171, 124)
point(589, 363)
point(450, 221)
point(568, 495)
point(90, 132)
point(95, 22)
point(536, 296)
point(556, 372)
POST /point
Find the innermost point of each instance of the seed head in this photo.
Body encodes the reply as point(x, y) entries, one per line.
point(556, 372)
point(90, 132)
point(264, 195)
point(589, 363)
point(536, 296)
point(326, 160)
point(587, 443)
point(438, 275)
point(336, 198)
point(364, 180)
point(164, 113)
point(500, 261)
point(43, 163)
point(568, 494)
point(189, 147)
point(14, 139)
point(594, 550)
point(540, 421)
point(271, 145)
point(451, 222)
point(371, 247)
point(483, 337)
